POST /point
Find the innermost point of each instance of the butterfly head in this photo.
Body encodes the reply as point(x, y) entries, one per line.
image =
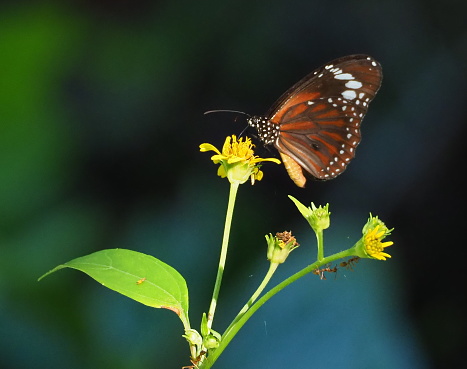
point(267, 131)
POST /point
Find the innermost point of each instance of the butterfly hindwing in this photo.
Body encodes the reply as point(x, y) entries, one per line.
point(323, 137)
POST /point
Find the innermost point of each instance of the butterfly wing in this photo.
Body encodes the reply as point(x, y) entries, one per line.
point(319, 117)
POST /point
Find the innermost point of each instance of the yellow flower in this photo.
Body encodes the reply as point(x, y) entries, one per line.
point(237, 159)
point(373, 245)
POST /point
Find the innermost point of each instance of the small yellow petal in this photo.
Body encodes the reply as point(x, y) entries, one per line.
point(380, 234)
point(259, 175)
point(221, 172)
point(208, 147)
point(234, 159)
point(217, 158)
point(226, 146)
point(274, 160)
point(379, 257)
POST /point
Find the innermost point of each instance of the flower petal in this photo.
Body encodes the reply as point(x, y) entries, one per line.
point(226, 148)
point(217, 158)
point(234, 159)
point(259, 175)
point(221, 172)
point(208, 147)
point(258, 160)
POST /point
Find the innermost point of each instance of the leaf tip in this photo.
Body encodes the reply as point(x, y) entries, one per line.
point(49, 272)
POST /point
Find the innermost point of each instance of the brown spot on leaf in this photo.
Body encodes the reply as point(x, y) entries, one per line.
point(174, 309)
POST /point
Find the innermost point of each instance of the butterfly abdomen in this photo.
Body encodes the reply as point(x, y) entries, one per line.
point(294, 170)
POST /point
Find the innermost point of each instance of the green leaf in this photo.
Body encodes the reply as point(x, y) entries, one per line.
point(138, 276)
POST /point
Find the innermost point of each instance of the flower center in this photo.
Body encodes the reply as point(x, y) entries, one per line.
point(373, 245)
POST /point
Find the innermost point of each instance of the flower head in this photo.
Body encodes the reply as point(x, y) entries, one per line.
point(280, 246)
point(371, 245)
point(318, 217)
point(237, 159)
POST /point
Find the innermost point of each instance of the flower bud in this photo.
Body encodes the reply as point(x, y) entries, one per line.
point(211, 342)
point(317, 217)
point(280, 246)
point(193, 337)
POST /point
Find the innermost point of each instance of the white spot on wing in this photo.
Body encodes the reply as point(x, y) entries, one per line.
point(344, 76)
point(349, 94)
point(353, 84)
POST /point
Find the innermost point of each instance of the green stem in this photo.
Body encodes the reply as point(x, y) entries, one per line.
point(320, 242)
point(262, 286)
point(223, 256)
point(230, 334)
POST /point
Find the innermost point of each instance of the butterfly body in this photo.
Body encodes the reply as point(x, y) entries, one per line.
point(315, 125)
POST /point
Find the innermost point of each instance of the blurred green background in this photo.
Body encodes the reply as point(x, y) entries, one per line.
point(101, 115)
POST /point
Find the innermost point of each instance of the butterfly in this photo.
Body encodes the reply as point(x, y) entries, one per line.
point(315, 125)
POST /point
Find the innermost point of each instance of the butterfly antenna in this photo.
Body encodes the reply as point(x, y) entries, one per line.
point(243, 131)
point(227, 111)
point(231, 111)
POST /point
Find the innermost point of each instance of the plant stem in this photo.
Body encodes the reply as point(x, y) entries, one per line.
point(230, 334)
point(262, 286)
point(223, 256)
point(320, 243)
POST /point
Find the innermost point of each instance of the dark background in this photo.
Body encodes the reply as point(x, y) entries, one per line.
point(101, 116)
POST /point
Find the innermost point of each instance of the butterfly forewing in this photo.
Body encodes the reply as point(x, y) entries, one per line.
point(318, 119)
point(330, 80)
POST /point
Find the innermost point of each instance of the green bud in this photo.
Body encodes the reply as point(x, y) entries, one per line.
point(320, 217)
point(211, 342)
point(317, 217)
point(280, 246)
point(193, 337)
point(204, 325)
